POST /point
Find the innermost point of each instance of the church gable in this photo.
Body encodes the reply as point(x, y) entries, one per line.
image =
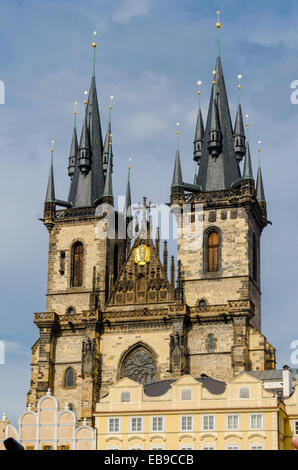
point(143, 278)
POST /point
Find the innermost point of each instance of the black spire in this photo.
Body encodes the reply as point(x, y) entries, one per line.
point(177, 174)
point(87, 185)
point(221, 170)
point(199, 138)
point(108, 189)
point(127, 203)
point(260, 193)
point(247, 169)
point(105, 152)
point(84, 159)
point(50, 196)
point(239, 135)
point(74, 149)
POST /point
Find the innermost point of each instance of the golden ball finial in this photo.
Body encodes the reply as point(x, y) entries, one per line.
point(129, 164)
point(75, 108)
point(259, 144)
point(218, 25)
point(199, 82)
point(239, 78)
point(110, 106)
point(177, 131)
point(85, 93)
point(52, 143)
point(94, 43)
point(246, 117)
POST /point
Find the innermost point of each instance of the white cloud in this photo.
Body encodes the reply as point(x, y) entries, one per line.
point(132, 8)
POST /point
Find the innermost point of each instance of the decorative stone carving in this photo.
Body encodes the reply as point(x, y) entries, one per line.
point(140, 366)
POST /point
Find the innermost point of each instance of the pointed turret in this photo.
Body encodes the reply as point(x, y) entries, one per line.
point(108, 189)
point(215, 136)
point(50, 195)
point(74, 149)
point(260, 193)
point(177, 180)
point(247, 169)
point(199, 135)
point(127, 204)
point(84, 158)
point(105, 152)
point(239, 135)
point(220, 172)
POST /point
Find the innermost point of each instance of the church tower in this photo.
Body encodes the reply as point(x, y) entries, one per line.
point(112, 310)
point(221, 218)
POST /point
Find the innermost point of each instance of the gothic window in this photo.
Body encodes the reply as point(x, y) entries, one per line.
point(202, 303)
point(213, 251)
point(77, 265)
point(140, 366)
point(69, 378)
point(70, 311)
point(254, 258)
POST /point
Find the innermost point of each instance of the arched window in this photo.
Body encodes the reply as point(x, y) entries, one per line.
point(77, 265)
point(140, 366)
point(69, 378)
point(254, 258)
point(70, 311)
point(213, 251)
point(210, 342)
point(202, 303)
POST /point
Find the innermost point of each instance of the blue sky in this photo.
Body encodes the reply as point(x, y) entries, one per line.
point(150, 55)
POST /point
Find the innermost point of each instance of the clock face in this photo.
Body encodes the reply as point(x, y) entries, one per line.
point(142, 254)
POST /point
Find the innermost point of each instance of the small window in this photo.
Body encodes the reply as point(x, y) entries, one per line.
point(186, 394)
point(244, 392)
point(213, 252)
point(257, 447)
point(233, 422)
point(70, 311)
point(47, 448)
point(136, 425)
point(186, 447)
point(202, 303)
point(208, 422)
point(157, 424)
point(208, 447)
point(210, 343)
point(295, 428)
point(114, 425)
point(125, 397)
point(256, 421)
point(69, 378)
point(186, 423)
point(233, 447)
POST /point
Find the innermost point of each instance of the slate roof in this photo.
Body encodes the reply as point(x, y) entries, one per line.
point(219, 173)
point(157, 389)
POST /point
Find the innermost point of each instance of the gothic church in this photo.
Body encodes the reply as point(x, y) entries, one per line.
point(111, 308)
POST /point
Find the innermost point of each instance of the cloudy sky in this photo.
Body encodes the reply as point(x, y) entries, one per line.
point(150, 55)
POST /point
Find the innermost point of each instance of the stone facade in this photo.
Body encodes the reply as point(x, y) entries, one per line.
point(124, 307)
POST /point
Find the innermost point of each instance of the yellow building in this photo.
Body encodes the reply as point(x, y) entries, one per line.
point(197, 414)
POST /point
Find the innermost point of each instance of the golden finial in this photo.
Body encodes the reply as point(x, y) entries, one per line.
point(246, 118)
point(75, 108)
point(218, 25)
point(199, 83)
point(85, 94)
point(94, 43)
point(129, 164)
point(214, 77)
point(177, 131)
point(259, 144)
point(52, 144)
point(239, 81)
point(111, 98)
